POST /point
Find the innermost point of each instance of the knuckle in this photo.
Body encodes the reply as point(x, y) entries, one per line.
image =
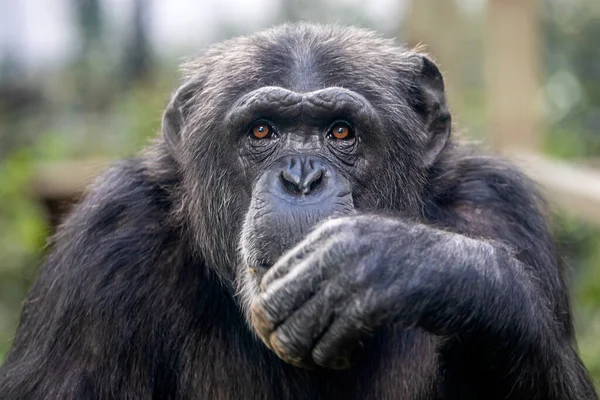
point(261, 320)
point(283, 345)
point(279, 344)
point(320, 357)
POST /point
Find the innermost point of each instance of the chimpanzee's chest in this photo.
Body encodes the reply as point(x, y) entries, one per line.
point(395, 365)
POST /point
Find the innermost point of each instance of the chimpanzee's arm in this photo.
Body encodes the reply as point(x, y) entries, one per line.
point(95, 325)
point(482, 273)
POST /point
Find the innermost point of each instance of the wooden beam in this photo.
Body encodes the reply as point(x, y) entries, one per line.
point(575, 188)
point(512, 72)
point(66, 180)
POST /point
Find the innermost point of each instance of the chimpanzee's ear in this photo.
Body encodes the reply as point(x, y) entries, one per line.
point(176, 113)
point(429, 100)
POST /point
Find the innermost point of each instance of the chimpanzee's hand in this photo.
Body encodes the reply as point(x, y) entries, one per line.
point(345, 279)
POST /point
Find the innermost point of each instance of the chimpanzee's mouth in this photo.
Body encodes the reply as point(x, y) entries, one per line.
point(259, 269)
point(263, 266)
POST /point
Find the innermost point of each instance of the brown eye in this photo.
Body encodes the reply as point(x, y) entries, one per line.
point(341, 131)
point(262, 130)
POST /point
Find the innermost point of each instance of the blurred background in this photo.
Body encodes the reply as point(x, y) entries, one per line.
point(83, 82)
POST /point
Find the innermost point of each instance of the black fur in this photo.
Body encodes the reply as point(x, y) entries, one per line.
point(440, 263)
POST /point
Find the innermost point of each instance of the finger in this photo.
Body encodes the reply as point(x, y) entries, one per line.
point(294, 339)
point(341, 346)
point(286, 295)
point(291, 258)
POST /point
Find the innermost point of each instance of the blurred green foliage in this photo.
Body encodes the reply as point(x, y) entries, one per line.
point(134, 118)
point(21, 237)
point(580, 246)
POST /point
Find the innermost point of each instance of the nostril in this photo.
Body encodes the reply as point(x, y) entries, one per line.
point(289, 183)
point(291, 187)
point(315, 181)
point(302, 177)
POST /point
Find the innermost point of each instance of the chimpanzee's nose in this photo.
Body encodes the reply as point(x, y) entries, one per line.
point(302, 175)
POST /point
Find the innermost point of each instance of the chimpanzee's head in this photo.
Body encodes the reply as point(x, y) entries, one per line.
point(275, 132)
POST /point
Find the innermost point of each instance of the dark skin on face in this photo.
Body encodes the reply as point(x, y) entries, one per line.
point(303, 155)
point(304, 227)
point(306, 162)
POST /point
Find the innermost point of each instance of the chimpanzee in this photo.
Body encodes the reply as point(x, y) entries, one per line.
point(303, 227)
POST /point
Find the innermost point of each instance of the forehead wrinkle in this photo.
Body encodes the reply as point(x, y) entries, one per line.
point(337, 102)
point(333, 98)
point(285, 103)
point(266, 100)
